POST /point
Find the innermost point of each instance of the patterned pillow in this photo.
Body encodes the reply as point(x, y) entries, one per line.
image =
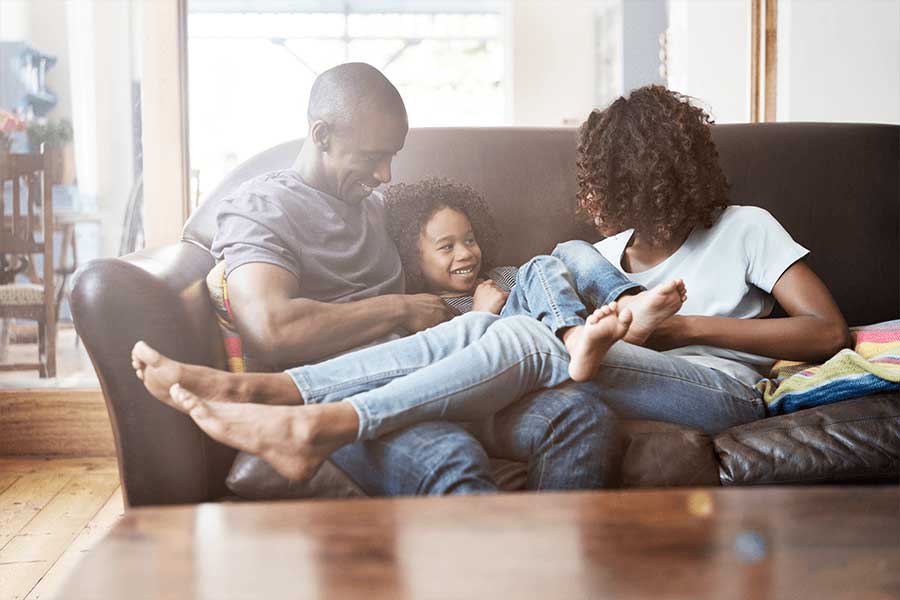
point(238, 361)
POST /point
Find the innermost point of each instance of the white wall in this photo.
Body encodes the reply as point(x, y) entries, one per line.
point(709, 55)
point(550, 65)
point(839, 61)
point(14, 20)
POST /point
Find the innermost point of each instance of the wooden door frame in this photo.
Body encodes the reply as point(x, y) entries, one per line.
point(164, 115)
point(763, 60)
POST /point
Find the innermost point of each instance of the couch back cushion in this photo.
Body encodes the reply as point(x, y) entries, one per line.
point(835, 187)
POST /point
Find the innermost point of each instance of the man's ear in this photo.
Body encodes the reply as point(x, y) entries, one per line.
point(320, 133)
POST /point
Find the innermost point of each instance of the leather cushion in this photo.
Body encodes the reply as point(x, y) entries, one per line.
point(658, 454)
point(254, 479)
point(854, 440)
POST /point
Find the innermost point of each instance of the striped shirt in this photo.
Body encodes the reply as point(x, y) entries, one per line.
point(505, 277)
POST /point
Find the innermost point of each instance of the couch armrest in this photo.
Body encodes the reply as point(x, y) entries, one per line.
point(158, 296)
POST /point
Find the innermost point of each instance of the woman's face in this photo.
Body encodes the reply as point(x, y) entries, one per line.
point(450, 255)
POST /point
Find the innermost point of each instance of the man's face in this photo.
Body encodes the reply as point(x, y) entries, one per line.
point(358, 158)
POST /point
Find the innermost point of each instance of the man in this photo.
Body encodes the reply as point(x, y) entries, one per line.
point(312, 273)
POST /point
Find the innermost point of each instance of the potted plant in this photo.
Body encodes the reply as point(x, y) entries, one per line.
point(55, 137)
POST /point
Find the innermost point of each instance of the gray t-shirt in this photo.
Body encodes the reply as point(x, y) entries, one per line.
point(338, 252)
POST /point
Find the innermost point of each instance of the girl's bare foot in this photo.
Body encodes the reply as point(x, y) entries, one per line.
point(160, 373)
point(652, 307)
point(295, 440)
point(588, 344)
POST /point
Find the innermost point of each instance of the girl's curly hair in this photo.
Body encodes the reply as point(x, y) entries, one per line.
point(409, 207)
point(648, 162)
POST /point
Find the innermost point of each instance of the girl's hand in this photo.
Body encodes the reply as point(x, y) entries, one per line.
point(489, 297)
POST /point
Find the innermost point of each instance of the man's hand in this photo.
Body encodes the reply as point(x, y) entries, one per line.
point(489, 297)
point(423, 311)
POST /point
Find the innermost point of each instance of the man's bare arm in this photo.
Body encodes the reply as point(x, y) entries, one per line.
point(284, 330)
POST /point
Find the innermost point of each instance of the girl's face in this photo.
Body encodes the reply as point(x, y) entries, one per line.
point(450, 256)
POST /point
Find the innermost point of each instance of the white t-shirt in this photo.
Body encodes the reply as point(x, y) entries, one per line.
point(729, 271)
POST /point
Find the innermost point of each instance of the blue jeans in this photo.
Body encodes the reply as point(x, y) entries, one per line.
point(567, 441)
point(561, 290)
point(639, 383)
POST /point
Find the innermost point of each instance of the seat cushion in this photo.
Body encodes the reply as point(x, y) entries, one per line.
point(658, 454)
point(854, 440)
point(21, 294)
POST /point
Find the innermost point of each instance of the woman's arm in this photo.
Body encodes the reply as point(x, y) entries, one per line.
point(813, 331)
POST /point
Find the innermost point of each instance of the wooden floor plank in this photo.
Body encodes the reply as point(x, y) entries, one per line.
point(37, 483)
point(25, 498)
point(17, 579)
point(40, 543)
point(7, 479)
point(50, 532)
point(51, 583)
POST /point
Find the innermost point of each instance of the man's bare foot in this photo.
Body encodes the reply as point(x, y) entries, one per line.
point(160, 373)
point(652, 307)
point(295, 440)
point(588, 344)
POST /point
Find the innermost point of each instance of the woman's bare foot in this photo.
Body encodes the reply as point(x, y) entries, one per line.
point(652, 307)
point(588, 344)
point(160, 373)
point(295, 440)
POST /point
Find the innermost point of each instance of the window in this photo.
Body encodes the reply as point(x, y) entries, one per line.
point(250, 72)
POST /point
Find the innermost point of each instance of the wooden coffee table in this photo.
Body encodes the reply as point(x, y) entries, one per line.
point(780, 542)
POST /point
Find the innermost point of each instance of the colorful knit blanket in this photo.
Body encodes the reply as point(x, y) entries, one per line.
point(872, 366)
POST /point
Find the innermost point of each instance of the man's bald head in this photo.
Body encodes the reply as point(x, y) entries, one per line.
point(343, 94)
point(357, 125)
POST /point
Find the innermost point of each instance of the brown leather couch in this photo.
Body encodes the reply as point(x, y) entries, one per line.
point(835, 187)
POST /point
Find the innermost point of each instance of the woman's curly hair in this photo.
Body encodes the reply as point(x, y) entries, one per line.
point(648, 162)
point(409, 207)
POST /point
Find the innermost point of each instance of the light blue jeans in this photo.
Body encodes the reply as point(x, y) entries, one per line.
point(561, 290)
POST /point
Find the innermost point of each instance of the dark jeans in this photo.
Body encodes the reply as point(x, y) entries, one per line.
point(567, 438)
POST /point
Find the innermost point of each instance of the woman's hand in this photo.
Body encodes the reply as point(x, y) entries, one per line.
point(489, 297)
point(668, 335)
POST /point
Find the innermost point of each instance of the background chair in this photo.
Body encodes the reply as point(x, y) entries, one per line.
point(23, 224)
